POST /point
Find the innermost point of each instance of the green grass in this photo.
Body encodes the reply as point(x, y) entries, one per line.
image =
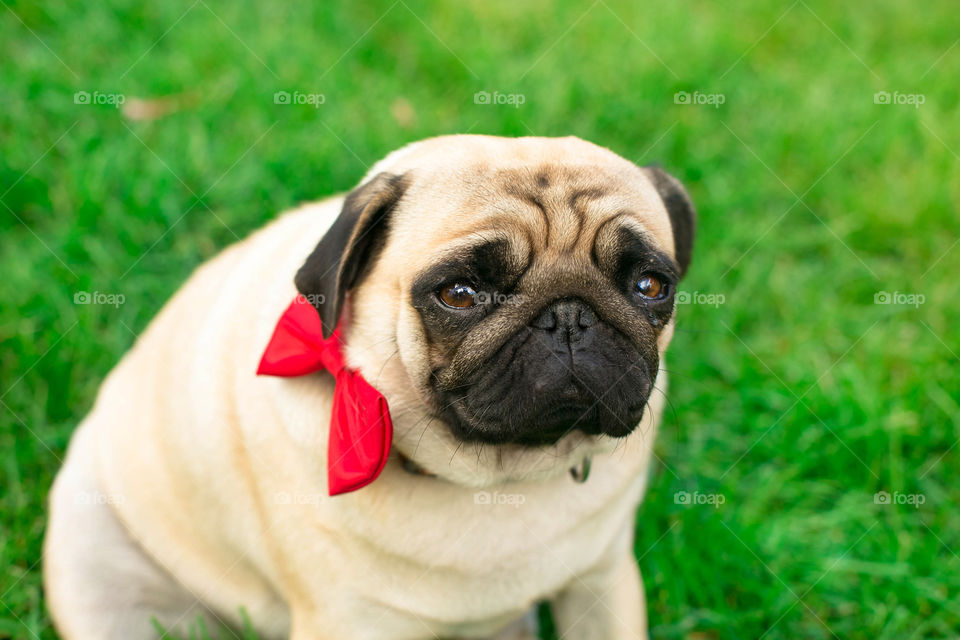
point(796, 400)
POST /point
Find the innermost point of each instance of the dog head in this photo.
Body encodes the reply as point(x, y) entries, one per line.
point(510, 294)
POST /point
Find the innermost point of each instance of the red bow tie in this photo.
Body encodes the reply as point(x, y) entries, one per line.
point(360, 426)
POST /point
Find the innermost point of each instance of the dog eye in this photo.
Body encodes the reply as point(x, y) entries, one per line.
point(650, 287)
point(458, 295)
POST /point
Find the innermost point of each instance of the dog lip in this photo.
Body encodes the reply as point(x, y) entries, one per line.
point(556, 423)
point(567, 408)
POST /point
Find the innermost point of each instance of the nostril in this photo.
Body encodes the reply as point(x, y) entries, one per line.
point(587, 318)
point(546, 320)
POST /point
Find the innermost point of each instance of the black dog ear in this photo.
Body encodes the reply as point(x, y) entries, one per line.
point(340, 260)
point(683, 217)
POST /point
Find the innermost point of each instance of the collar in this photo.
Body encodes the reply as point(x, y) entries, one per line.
point(412, 467)
point(579, 473)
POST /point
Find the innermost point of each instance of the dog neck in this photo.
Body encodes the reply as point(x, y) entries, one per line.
point(579, 473)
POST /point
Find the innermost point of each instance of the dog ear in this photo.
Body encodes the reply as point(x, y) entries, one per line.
point(340, 260)
point(683, 217)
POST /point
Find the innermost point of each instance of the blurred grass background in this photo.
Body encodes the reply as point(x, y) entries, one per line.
point(797, 399)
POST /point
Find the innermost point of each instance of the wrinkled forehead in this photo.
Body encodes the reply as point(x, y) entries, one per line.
point(558, 210)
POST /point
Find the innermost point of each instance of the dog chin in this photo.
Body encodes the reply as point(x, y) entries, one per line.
point(553, 426)
point(482, 465)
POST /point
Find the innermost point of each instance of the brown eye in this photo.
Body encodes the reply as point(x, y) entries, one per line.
point(458, 295)
point(650, 287)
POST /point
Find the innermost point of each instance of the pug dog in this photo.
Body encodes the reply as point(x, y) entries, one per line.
point(510, 300)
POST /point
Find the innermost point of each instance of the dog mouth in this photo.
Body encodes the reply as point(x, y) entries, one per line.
point(544, 427)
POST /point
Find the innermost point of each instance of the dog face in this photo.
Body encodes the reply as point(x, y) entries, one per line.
point(526, 285)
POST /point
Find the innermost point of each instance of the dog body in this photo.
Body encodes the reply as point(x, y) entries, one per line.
point(195, 487)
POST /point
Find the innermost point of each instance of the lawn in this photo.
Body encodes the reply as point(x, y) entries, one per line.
point(815, 365)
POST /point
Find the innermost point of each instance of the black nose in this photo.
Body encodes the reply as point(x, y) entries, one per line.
point(567, 321)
